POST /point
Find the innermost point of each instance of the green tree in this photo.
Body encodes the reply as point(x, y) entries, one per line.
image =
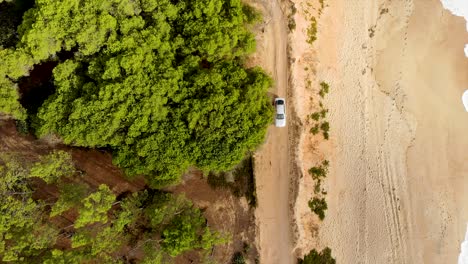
point(24, 231)
point(160, 225)
point(160, 83)
point(53, 166)
point(95, 207)
point(71, 195)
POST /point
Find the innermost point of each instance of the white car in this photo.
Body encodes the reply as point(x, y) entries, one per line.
point(280, 117)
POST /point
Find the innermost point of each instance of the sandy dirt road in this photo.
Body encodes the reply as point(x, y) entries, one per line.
point(272, 160)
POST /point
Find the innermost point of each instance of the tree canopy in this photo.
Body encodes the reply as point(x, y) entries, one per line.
point(161, 83)
point(105, 230)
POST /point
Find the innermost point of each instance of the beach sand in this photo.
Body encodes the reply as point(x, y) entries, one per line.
point(398, 181)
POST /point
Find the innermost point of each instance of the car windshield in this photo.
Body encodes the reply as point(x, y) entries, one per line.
point(280, 102)
point(279, 116)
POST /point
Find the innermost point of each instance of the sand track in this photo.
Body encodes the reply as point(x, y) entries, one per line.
point(272, 160)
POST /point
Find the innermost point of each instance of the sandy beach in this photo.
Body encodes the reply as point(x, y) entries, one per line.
point(398, 181)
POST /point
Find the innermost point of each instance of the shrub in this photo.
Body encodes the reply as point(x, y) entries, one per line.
point(312, 31)
point(325, 127)
point(324, 89)
point(315, 257)
point(315, 116)
point(318, 206)
point(315, 129)
point(320, 171)
point(238, 258)
point(323, 113)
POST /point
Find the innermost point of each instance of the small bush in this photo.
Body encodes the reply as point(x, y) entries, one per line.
point(319, 172)
point(325, 127)
point(315, 129)
point(326, 135)
point(238, 258)
point(291, 24)
point(318, 206)
point(314, 257)
point(324, 89)
point(312, 31)
point(323, 113)
point(315, 116)
point(252, 14)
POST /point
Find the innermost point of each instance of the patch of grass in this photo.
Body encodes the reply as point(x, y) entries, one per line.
point(323, 113)
point(315, 116)
point(325, 127)
point(244, 180)
point(324, 89)
point(291, 21)
point(322, 4)
point(315, 129)
point(318, 206)
point(312, 31)
point(291, 24)
point(326, 135)
point(319, 172)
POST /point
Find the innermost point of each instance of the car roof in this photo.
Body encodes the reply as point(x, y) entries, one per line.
point(280, 109)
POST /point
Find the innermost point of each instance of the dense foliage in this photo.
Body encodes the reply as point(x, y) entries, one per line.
point(159, 225)
point(159, 82)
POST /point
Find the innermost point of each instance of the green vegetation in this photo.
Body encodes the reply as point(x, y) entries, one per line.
point(160, 83)
point(53, 166)
point(318, 206)
point(315, 257)
point(324, 89)
point(314, 129)
point(312, 31)
point(105, 231)
point(316, 117)
point(319, 172)
point(238, 258)
point(291, 20)
point(325, 127)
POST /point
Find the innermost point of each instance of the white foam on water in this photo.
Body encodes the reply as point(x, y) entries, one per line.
point(463, 258)
point(465, 100)
point(458, 8)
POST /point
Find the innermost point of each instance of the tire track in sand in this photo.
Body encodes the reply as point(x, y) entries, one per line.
point(387, 172)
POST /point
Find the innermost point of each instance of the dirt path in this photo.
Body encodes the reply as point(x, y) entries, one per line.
point(272, 160)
